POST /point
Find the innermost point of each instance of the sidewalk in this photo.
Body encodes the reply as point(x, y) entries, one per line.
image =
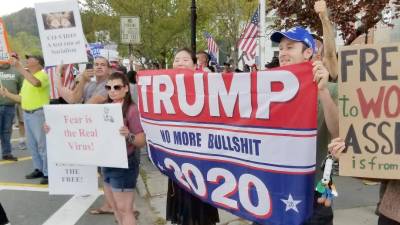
point(152, 186)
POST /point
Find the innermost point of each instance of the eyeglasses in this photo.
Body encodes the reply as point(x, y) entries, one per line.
point(115, 87)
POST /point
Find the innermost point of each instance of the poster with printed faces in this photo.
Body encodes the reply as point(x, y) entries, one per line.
point(68, 179)
point(86, 134)
point(61, 32)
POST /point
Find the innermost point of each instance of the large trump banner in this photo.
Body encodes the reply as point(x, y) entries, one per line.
point(243, 142)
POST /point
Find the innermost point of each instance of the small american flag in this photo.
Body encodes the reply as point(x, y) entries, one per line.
point(212, 47)
point(247, 41)
point(67, 79)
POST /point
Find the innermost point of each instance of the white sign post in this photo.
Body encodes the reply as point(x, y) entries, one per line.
point(86, 135)
point(61, 33)
point(130, 30)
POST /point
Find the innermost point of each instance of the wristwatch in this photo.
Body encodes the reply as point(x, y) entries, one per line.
point(130, 138)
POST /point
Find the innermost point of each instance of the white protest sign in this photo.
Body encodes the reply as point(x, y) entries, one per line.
point(4, 48)
point(61, 33)
point(86, 134)
point(68, 179)
point(130, 30)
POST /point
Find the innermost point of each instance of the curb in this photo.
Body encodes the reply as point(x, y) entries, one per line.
point(141, 188)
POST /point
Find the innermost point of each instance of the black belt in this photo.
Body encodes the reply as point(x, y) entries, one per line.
point(32, 111)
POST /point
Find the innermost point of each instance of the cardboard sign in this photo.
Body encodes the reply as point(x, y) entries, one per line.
point(86, 134)
point(369, 110)
point(68, 179)
point(4, 47)
point(243, 142)
point(61, 33)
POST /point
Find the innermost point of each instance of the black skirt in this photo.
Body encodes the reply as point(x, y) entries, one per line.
point(3, 216)
point(185, 209)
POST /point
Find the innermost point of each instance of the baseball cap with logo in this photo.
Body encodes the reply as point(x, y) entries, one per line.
point(296, 34)
point(37, 57)
point(14, 54)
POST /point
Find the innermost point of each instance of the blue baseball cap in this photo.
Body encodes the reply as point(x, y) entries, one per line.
point(296, 34)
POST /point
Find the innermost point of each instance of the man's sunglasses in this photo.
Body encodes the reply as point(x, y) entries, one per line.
point(115, 87)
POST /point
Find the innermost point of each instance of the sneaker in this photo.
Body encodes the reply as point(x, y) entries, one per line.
point(370, 182)
point(10, 157)
point(21, 146)
point(44, 180)
point(35, 174)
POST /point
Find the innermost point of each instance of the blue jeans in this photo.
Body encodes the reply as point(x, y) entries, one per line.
point(36, 139)
point(7, 113)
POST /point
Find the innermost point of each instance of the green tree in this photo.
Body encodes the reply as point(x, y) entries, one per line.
point(24, 43)
point(225, 19)
point(345, 14)
point(22, 21)
point(165, 25)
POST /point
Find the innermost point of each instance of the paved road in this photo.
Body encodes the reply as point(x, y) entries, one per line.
point(28, 203)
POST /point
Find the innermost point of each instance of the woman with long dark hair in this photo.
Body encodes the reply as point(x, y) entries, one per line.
point(182, 207)
point(119, 183)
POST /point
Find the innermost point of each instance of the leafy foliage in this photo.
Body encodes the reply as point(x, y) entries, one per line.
point(24, 43)
point(22, 32)
point(23, 20)
point(351, 17)
point(165, 25)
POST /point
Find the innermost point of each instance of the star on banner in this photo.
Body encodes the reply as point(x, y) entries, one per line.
point(160, 167)
point(291, 203)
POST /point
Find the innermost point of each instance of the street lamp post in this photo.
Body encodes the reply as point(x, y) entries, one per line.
point(193, 25)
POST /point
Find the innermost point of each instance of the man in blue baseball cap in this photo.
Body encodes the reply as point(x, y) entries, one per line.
point(297, 46)
point(296, 38)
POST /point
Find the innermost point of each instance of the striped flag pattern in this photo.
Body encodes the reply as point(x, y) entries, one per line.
point(212, 47)
point(67, 79)
point(247, 41)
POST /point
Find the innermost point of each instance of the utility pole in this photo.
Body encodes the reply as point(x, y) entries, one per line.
point(193, 26)
point(130, 53)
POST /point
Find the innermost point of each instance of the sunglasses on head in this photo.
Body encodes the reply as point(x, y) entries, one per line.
point(115, 87)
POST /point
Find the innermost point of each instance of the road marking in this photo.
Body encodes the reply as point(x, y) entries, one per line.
point(5, 162)
point(72, 210)
point(17, 139)
point(23, 187)
point(31, 187)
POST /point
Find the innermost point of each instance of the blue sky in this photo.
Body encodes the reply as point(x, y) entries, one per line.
point(16, 5)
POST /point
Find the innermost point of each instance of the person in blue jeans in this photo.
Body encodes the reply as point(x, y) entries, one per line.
point(33, 96)
point(7, 113)
point(11, 80)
